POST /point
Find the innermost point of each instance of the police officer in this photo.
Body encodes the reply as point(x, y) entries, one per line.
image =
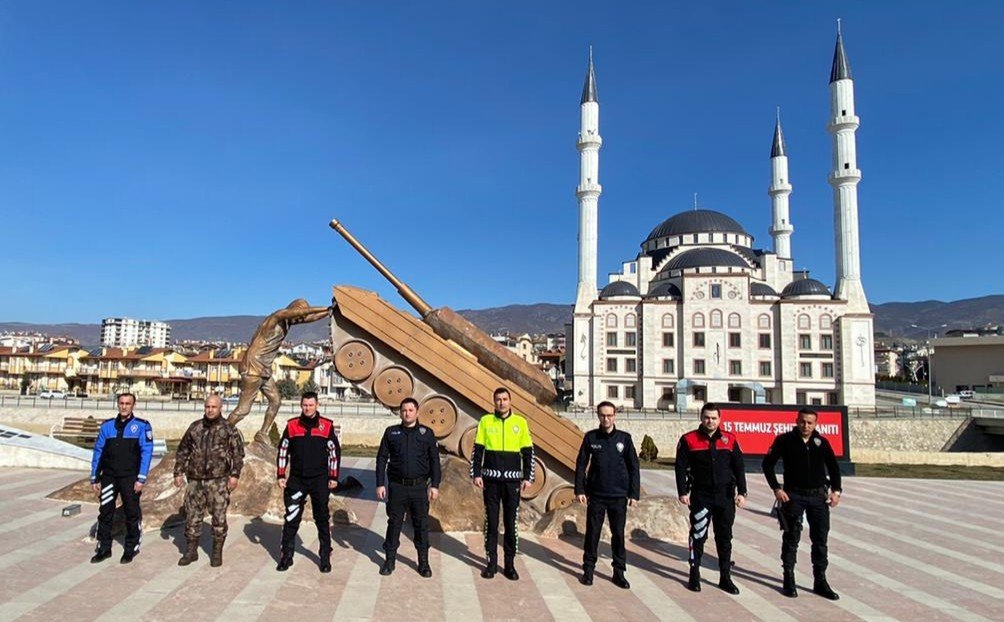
point(711, 481)
point(307, 466)
point(119, 466)
point(502, 466)
point(409, 458)
point(808, 458)
point(211, 456)
point(610, 484)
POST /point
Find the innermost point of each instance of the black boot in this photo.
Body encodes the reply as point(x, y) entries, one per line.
point(490, 569)
point(285, 561)
point(587, 576)
point(725, 581)
point(789, 589)
point(128, 556)
point(509, 572)
point(388, 566)
point(620, 581)
point(694, 583)
point(216, 559)
point(101, 555)
point(191, 553)
point(423, 565)
point(821, 587)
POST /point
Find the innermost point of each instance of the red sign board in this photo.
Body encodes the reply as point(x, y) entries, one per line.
point(756, 425)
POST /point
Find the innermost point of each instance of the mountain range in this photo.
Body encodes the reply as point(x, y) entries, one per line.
point(911, 320)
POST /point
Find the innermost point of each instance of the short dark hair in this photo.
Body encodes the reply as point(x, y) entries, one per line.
point(605, 403)
point(126, 394)
point(408, 400)
point(499, 391)
point(710, 406)
point(807, 411)
point(309, 395)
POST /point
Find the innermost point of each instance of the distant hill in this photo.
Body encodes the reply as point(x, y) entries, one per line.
point(892, 318)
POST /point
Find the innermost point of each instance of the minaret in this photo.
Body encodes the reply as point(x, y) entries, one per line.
point(844, 178)
point(588, 190)
point(780, 188)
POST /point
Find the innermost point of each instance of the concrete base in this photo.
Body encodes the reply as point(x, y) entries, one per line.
point(21, 448)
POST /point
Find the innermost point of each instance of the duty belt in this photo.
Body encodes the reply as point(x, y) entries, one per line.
point(809, 492)
point(409, 481)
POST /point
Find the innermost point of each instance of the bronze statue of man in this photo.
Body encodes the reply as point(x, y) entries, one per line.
point(256, 364)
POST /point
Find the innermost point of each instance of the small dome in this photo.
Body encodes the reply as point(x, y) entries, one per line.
point(704, 257)
point(805, 287)
point(761, 289)
point(696, 221)
point(619, 288)
point(665, 290)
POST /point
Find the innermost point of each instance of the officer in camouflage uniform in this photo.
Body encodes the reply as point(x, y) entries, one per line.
point(211, 455)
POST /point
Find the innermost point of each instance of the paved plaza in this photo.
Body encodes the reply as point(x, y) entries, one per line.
point(900, 550)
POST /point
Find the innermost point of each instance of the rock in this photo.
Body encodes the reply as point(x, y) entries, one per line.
point(461, 505)
point(658, 517)
point(257, 496)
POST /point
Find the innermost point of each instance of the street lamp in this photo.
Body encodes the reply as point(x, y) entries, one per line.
point(930, 330)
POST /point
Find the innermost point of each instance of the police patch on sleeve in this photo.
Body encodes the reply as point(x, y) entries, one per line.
point(149, 434)
point(818, 441)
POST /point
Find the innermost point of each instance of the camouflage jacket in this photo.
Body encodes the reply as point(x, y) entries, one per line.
point(210, 449)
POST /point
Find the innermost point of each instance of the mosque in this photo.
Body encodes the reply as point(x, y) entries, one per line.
point(700, 315)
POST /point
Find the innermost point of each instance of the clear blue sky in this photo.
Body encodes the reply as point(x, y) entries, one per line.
point(180, 159)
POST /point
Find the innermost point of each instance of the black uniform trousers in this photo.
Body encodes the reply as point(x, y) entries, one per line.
point(415, 501)
point(817, 511)
point(597, 508)
point(718, 511)
point(506, 494)
point(295, 495)
point(122, 487)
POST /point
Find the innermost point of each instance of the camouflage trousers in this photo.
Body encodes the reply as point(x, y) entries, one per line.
point(202, 496)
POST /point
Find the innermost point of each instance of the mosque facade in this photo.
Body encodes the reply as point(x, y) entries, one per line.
point(700, 315)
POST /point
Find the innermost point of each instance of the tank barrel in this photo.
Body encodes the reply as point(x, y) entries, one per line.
point(406, 292)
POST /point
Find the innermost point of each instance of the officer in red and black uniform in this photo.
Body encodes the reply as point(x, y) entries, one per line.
point(711, 480)
point(307, 466)
point(811, 487)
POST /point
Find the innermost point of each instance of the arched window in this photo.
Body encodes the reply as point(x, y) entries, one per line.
point(667, 320)
point(716, 318)
point(698, 320)
point(804, 322)
point(611, 321)
point(763, 322)
point(735, 321)
point(629, 320)
point(825, 321)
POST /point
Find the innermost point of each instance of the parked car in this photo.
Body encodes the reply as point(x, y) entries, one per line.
point(231, 399)
point(52, 395)
point(967, 394)
point(941, 403)
point(953, 399)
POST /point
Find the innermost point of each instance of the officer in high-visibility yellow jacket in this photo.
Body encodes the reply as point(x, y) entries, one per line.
point(502, 466)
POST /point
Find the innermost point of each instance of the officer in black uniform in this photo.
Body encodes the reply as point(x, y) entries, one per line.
point(409, 458)
point(711, 481)
point(808, 458)
point(608, 486)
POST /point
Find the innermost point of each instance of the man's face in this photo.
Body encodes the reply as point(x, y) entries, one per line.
point(409, 414)
point(212, 407)
point(806, 424)
point(606, 415)
point(308, 406)
point(502, 403)
point(126, 404)
point(710, 420)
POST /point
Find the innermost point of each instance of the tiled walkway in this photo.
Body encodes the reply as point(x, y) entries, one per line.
point(900, 550)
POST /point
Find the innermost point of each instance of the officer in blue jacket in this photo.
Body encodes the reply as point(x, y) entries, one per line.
point(119, 467)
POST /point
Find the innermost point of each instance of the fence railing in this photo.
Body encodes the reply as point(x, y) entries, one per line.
point(362, 408)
